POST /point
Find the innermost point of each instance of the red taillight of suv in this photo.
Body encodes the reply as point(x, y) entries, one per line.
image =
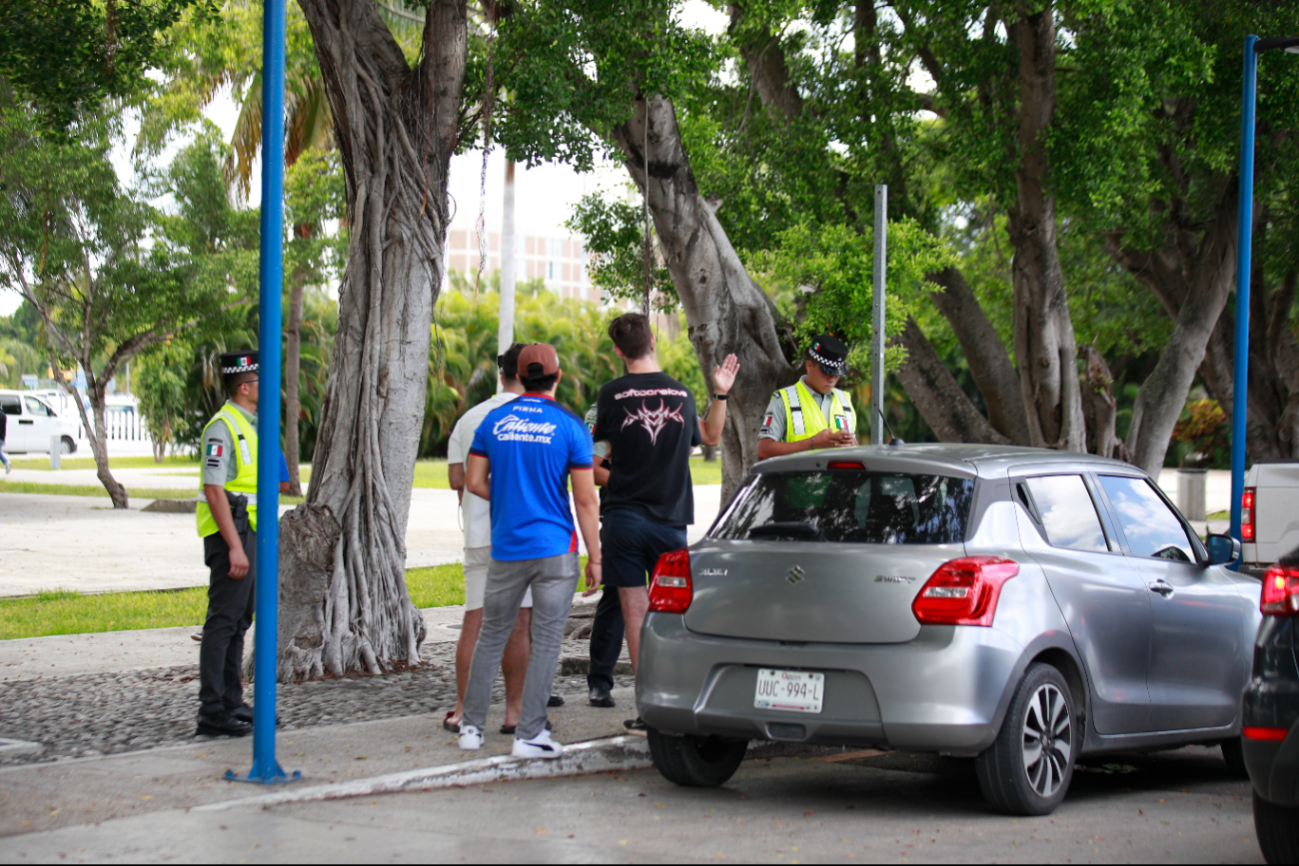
point(1280, 591)
point(670, 590)
point(1247, 515)
point(964, 591)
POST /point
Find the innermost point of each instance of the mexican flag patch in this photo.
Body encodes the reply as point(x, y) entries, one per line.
point(840, 423)
point(214, 450)
point(766, 422)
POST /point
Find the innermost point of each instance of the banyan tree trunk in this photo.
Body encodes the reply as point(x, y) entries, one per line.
point(725, 309)
point(343, 599)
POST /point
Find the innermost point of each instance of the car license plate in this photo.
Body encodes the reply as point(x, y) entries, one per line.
point(798, 691)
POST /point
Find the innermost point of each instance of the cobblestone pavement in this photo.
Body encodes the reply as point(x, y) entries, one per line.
point(96, 714)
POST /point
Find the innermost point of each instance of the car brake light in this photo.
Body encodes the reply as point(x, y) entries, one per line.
point(1280, 591)
point(1273, 735)
point(1247, 515)
point(670, 590)
point(964, 591)
point(845, 464)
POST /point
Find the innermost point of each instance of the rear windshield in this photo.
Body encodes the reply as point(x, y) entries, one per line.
point(853, 506)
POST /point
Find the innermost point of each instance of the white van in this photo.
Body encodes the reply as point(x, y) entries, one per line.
point(32, 422)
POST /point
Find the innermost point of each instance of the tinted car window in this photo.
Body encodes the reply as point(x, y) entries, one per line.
point(36, 407)
point(1068, 513)
point(10, 405)
point(851, 506)
point(1150, 525)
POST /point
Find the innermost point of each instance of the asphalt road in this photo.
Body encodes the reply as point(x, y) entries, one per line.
point(813, 805)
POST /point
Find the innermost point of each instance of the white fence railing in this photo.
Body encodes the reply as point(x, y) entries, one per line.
point(123, 425)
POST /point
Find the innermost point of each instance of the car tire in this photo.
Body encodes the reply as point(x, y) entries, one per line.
point(1233, 752)
point(1028, 768)
point(695, 762)
point(1277, 828)
point(68, 445)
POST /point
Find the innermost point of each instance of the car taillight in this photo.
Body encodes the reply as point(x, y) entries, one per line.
point(1271, 735)
point(845, 464)
point(964, 591)
point(1280, 591)
point(1247, 515)
point(670, 590)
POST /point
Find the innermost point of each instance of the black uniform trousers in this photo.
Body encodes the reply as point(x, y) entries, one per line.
point(229, 616)
point(606, 639)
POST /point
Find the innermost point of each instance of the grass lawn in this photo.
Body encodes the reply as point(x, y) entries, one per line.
point(1218, 515)
point(43, 463)
point(64, 611)
point(98, 490)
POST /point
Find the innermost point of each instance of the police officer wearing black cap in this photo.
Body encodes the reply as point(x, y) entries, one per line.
point(811, 413)
point(227, 522)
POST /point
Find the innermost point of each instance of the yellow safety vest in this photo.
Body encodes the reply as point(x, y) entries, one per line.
point(801, 425)
point(245, 480)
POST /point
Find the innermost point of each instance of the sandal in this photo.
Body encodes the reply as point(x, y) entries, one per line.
point(453, 727)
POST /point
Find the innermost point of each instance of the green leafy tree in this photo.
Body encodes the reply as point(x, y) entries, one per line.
point(69, 57)
point(160, 389)
point(109, 275)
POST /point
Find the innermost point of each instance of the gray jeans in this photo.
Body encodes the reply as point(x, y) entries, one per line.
point(553, 581)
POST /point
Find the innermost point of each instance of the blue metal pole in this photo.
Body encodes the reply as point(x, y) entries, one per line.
point(1245, 220)
point(265, 768)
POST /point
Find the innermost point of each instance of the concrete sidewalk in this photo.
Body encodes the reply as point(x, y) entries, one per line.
point(37, 797)
point(188, 773)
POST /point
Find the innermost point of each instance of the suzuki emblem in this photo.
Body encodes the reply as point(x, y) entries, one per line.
point(795, 575)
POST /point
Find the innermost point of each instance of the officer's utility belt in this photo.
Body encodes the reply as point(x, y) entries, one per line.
point(245, 498)
point(239, 503)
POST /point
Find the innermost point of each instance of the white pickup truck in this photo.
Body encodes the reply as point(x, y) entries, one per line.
point(1269, 514)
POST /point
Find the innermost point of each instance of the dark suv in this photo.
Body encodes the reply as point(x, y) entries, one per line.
point(1271, 716)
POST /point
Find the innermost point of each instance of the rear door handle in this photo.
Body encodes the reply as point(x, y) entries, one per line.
point(1162, 587)
point(26, 422)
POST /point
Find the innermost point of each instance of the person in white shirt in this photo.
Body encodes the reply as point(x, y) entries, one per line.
point(477, 521)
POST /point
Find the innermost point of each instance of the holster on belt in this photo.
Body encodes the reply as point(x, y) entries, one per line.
point(239, 513)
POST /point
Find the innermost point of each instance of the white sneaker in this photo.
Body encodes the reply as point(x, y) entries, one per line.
point(471, 738)
point(540, 746)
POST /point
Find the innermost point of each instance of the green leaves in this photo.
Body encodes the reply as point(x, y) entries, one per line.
point(829, 268)
point(69, 57)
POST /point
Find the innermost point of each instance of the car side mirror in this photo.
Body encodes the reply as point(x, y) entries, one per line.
point(1222, 549)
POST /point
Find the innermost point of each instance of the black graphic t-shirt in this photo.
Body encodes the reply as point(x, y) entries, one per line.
point(650, 423)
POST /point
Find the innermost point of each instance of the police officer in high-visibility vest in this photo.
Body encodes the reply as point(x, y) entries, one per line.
point(811, 413)
point(227, 522)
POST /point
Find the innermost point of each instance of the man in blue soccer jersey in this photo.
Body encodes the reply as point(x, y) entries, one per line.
point(521, 460)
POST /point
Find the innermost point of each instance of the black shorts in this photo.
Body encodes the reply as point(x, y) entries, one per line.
point(632, 543)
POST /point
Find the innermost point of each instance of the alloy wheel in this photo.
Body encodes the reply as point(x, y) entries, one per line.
point(1048, 740)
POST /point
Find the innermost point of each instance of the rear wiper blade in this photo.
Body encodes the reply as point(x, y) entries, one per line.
point(791, 529)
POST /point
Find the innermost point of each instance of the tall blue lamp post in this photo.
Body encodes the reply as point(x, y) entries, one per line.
point(1253, 47)
point(265, 769)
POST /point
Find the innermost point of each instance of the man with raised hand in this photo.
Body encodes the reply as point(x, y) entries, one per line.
point(522, 458)
point(649, 420)
point(476, 519)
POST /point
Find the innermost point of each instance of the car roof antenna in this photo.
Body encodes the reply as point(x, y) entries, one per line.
point(893, 440)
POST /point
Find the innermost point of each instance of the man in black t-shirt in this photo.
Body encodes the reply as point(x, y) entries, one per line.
point(649, 420)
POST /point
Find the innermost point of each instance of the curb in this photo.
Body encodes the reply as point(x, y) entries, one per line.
point(593, 756)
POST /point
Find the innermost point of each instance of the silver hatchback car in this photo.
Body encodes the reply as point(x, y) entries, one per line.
point(1019, 606)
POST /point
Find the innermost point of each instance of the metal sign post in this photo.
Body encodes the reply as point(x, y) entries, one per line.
point(877, 317)
point(266, 770)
